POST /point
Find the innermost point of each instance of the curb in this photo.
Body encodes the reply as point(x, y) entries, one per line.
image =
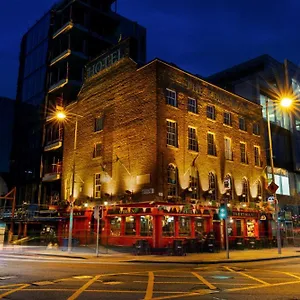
point(213, 262)
point(41, 254)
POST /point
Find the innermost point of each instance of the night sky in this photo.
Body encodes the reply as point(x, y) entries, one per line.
point(202, 37)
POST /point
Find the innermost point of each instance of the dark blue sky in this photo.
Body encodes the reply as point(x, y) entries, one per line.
point(202, 37)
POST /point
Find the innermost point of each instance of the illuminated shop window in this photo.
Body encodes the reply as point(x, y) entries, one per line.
point(115, 226)
point(192, 139)
point(227, 118)
point(184, 226)
point(172, 134)
point(130, 226)
point(172, 180)
point(171, 98)
point(211, 112)
point(192, 105)
point(168, 226)
point(146, 226)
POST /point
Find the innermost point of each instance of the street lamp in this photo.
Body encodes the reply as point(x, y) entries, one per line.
point(61, 115)
point(284, 102)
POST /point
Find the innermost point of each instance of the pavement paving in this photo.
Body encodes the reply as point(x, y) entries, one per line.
point(121, 254)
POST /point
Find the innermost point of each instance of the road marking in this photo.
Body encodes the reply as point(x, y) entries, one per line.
point(43, 283)
point(82, 277)
point(149, 291)
point(168, 282)
point(290, 274)
point(197, 293)
point(260, 286)
point(202, 279)
point(14, 290)
point(10, 285)
point(246, 275)
point(84, 287)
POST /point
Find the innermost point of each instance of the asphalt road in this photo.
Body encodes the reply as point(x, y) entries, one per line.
point(63, 278)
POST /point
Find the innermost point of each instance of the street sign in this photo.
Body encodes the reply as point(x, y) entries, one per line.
point(273, 187)
point(97, 212)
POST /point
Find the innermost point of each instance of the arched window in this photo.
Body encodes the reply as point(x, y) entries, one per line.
point(245, 193)
point(228, 186)
point(172, 180)
point(194, 184)
point(212, 186)
point(259, 191)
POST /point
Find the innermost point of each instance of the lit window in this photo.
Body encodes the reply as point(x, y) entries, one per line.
point(146, 225)
point(172, 133)
point(194, 184)
point(228, 149)
point(98, 126)
point(211, 112)
point(242, 124)
point(227, 118)
point(192, 105)
point(211, 147)
point(171, 97)
point(228, 186)
point(97, 150)
point(212, 187)
point(172, 180)
point(256, 129)
point(245, 192)
point(184, 226)
point(257, 156)
point(168, 226)
point(97, 183)
point(192, 136)
point(130, 225)
point(244, 159)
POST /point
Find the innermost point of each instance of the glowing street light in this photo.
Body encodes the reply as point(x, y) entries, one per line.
point(285, 102)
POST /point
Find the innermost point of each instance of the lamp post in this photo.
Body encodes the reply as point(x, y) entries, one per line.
point(285, 102)
point(61, 116)
point(276, 204)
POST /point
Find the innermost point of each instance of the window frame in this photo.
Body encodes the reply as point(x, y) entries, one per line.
point(257, 156)
point(192, 139)
point(243, 159)
point(97, 185)
point(172, 135)
point(256, 129)
point(97, 126)
point(192, 108)
point(227, 118)
point(211, 146)
point(211, 112)
point(228, 151)
point(97, 152)
point(170, 100)
point(244, 127)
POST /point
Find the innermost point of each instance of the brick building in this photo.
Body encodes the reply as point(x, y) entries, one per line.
point(155, 145)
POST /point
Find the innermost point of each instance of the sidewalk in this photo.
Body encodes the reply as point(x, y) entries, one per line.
point(126, 255)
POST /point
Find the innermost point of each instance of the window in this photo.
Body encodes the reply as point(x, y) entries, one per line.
point(97, 150)
point(228, 186)
point(228, 150)
point(227, 118)
point(168, 226)
point(245, 192)
point(115, 226)
point(239, 228)
point(130, 225)
point(192, 136)
point(257, 156)
point(259, 191)
point(244, 159)
point(283, 183)
point(194, 184)
point(98, 126)
point(171, 98)
point(192, 105)
point(97, 183)
point(242, 124)
point(212, 187)
point(172, 133)
point(210, 112)
point(172, 180)
point(146, 225)
point(211, 147)
point(256, 129)
point(184, 226)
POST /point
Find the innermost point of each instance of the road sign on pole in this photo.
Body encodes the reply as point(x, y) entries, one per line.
point(273, 187)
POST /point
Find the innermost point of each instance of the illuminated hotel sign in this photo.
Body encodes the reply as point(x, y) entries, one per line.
point(108, 59)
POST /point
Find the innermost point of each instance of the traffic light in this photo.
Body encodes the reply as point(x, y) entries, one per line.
point(98, 212)
point(223, 212)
